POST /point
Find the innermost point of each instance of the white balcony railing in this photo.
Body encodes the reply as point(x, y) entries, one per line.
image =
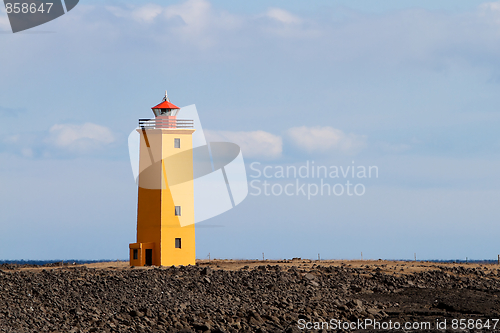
point(165, 123)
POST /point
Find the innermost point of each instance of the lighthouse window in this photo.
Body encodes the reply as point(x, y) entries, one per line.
point(135, 254)
point(177, 243)
point(177, 210)
point(177, 143)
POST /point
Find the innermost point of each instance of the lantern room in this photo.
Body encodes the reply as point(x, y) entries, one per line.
point(165, 114)
point(165, 117)
point(165, 108)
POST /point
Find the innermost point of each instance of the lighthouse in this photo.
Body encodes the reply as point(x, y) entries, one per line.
point(165, 208)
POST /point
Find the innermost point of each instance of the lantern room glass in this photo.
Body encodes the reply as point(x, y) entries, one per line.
point(165, 112)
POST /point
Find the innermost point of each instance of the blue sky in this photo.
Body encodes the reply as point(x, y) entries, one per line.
point(411, 87)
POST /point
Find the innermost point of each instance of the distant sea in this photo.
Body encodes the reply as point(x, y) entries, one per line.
point(44, 262)
point(78, 261)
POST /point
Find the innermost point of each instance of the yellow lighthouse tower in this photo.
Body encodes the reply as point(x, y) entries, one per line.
point(165, 209)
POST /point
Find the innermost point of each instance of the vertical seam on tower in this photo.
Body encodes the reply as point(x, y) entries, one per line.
point(148, 146)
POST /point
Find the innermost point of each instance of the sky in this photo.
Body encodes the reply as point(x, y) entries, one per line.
point(408, 87)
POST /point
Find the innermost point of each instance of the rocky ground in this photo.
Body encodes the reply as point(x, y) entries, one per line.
point(250, 297)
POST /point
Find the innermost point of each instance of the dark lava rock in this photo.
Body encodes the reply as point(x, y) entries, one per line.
point(266, 298)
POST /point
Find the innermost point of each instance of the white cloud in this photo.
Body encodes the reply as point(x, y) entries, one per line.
point(253, 144)
point(190, 21)
point(391, 38)
point(80, 138)
point(489, 13)
point(394, 38)
point(193, 12)
point(61, 140)
point(283, 16)
point(147, 13)
point(27, 152)
point(282, 23)
point(198, 22)
point(12, 138)
point(490, 6)
point(323, 139)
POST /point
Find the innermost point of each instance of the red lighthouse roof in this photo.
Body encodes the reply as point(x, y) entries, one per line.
point(165, 105)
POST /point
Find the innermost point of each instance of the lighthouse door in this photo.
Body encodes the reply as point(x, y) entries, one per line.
point(149, 257)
